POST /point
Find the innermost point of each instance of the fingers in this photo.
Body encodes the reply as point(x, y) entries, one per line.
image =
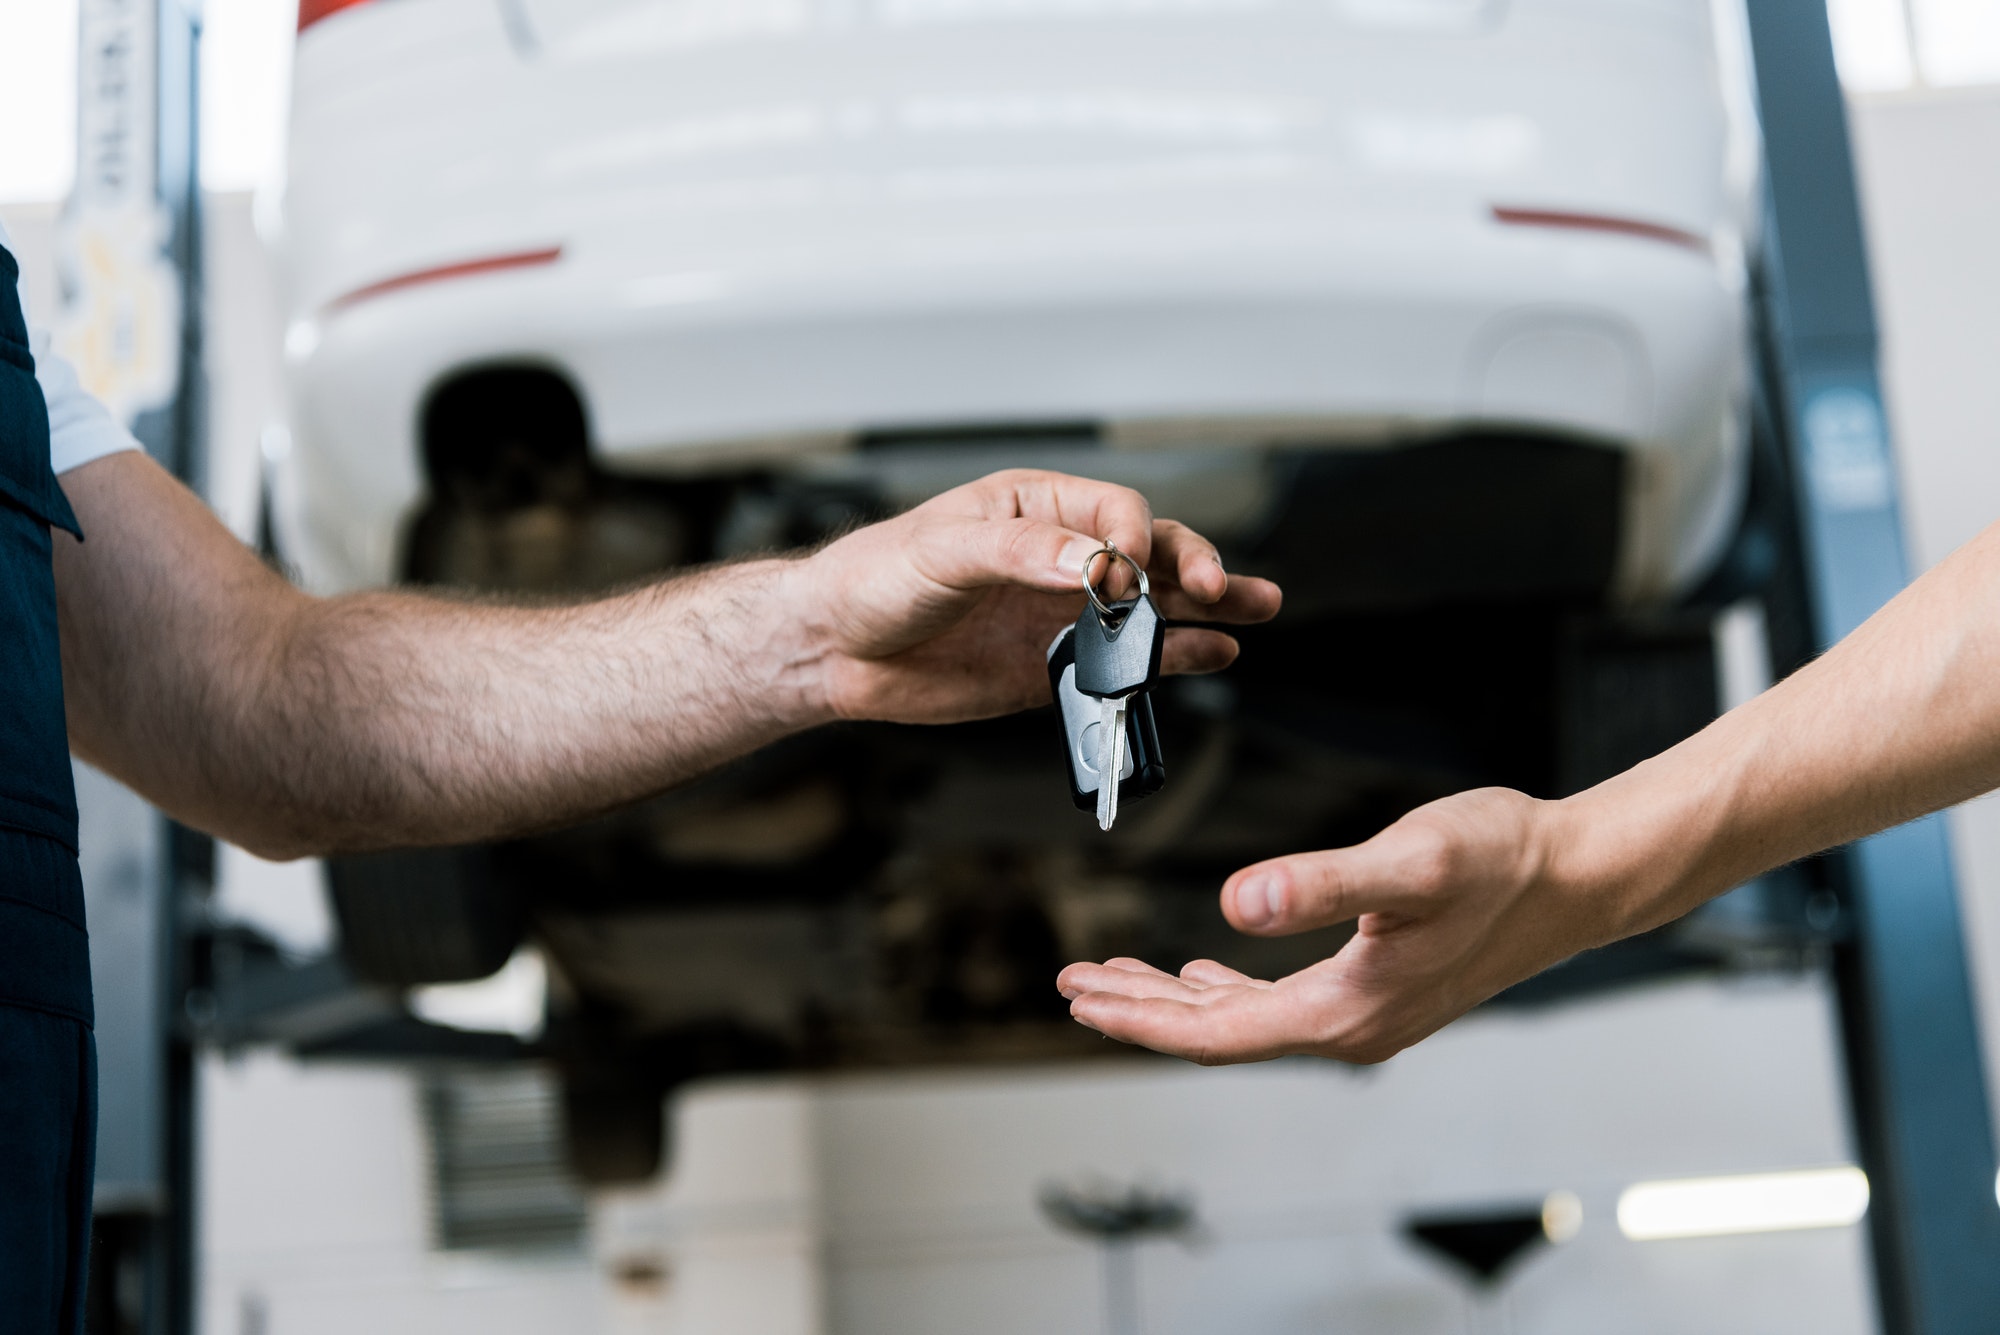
point(1083, 505)
point(1193, 586)
point(1030, 552)
point(1214, 1014)
point(1247, 600)
point(1236, 1024)
point(1190, 559)
point(1136, 978)
point(1207, 973)
point(1187, 564)
point(1225, 1016)
point(1395, 872)
point(1046, 556)
point(1126, 964)
point(1192, 652)
point(1227, 1024)
point(1191, 583)
point(1126, 977)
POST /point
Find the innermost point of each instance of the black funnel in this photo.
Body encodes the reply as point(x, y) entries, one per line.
point(1483, 1243)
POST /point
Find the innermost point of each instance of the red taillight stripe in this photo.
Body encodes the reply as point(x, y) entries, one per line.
point(526, 259)
point(312, 11)
point(1599, 222)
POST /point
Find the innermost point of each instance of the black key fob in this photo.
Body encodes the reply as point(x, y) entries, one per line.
point(1118, 653)
point(1080, 716)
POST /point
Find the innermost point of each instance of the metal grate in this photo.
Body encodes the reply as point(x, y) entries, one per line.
point(498, 1179)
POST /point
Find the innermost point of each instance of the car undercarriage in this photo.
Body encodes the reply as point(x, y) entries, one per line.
point(870, 895)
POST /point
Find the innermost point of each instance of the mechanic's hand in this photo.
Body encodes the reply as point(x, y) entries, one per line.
point(1454, 902)
point(945, 612)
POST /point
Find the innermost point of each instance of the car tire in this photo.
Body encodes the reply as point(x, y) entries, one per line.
point(614, 1131)
point(432, 915)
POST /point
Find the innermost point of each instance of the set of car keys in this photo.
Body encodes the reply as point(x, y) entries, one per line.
point(1102, 671)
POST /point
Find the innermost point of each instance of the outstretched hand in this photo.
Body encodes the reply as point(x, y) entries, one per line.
point(1454, 902)
point(944, 613)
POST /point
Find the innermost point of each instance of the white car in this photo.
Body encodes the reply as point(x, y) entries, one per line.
point(1433, 309)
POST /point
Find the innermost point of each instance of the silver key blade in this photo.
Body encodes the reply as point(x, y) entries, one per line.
point(1117, 761)
point(1110, 732)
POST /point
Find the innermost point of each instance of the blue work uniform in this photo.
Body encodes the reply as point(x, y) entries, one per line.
point(48, 1076)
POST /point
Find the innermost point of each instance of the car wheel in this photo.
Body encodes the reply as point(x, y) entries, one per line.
point(432, 915)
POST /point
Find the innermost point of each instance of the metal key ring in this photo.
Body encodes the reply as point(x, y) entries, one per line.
point(1110, 549)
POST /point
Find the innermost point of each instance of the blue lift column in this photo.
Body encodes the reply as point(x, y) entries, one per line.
point(138, 321)
point(1921, 1117)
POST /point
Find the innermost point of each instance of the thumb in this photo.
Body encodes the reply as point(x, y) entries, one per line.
point(1391, 873)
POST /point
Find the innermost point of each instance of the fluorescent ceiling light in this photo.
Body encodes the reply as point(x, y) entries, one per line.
point(1700, 1207)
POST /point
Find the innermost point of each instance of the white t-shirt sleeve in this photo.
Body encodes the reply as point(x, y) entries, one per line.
point(80, 428)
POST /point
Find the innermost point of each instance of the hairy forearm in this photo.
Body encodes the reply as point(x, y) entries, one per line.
point(385, 719)
point(291, 724)
point(1899, 719)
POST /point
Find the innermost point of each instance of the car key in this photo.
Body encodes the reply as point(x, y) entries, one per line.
point(1117, 648)
point(1143, 772)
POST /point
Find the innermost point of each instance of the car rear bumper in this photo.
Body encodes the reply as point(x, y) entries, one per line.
point(1222, 343)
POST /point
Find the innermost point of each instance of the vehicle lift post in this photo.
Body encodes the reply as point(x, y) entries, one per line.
point(145, 879)
point(1915, 1072)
